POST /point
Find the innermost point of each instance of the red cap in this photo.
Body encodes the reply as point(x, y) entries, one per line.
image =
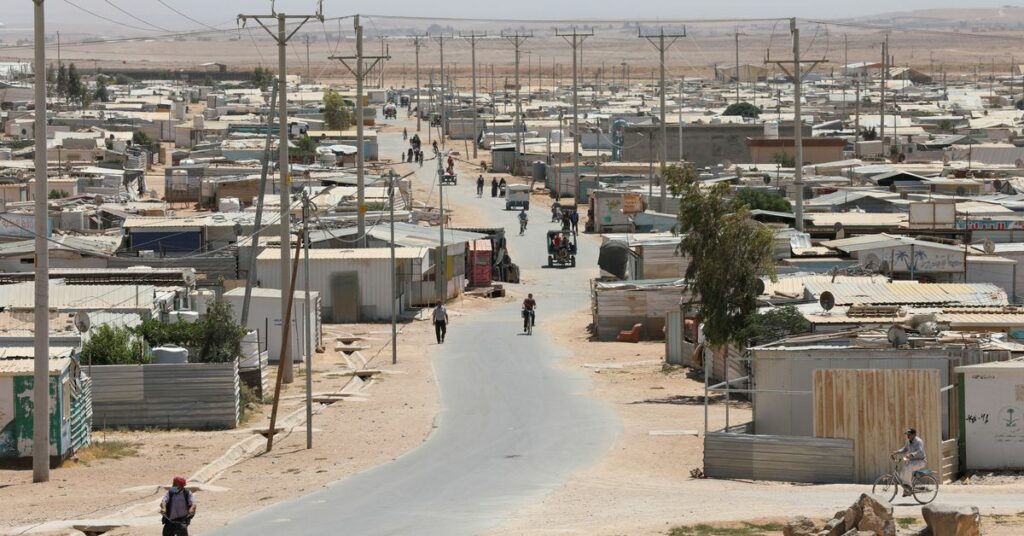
point(179, 481)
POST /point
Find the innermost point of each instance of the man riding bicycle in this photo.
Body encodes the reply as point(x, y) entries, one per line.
point(523, 219)
point(529, 312)
point(914, 459)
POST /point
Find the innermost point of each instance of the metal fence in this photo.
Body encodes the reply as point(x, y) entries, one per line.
point(789, 459)
point(189, 395)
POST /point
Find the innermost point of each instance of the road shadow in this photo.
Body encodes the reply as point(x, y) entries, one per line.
point(693, 400)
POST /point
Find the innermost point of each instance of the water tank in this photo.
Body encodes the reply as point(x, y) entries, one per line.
point(5, 154)
point(169, 355)
point(183, 316)
point(250, 350)
point(539, 171)
point(229, 204)
point(198, 122)
point(771, 130)
point(201, 299)
point(72, 220)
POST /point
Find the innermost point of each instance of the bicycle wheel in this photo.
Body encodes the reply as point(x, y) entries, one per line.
point(886, 486)
point(926, 487)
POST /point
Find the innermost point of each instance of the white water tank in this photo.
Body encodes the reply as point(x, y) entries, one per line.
point(183, 316)
point(229, 204)
point(250, 350)
point(169, 355)
point(201, 299)
point(198, 122)
point(771, 130)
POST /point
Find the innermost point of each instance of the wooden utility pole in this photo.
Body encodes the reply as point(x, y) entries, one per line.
point(881, 102)
point(797, 75)
point(658, 40)
point(417, 41)
point(444, 109)
point(282, 38)
point(517, 39)
point(360, 71)
point(575, 40)
point(737, 35)
point(472, 47)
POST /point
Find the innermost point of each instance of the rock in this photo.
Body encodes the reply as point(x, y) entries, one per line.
point(947, 520)
point(835, 527)
point(799, 526)
point(875, 516)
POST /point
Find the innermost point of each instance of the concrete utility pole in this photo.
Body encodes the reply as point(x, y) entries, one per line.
point(575, 40)
point(41, 362)
point(658, 40)
point(417, 41)
point(737, 35)
point(798, 133)
point(360, 71)
point(309, 75)
point(444, 109)
point(881, 101)
point(282, 38)
point(383, 52)
point(856, 120)
point(442, 257)
point(472, 47)
point(517, 39)
point(258, 222)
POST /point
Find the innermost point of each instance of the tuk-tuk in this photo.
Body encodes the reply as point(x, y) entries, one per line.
point(450, 178)
point(561, 249)
point(517, 196)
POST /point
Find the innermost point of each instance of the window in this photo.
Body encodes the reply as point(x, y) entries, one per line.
point(27, 260)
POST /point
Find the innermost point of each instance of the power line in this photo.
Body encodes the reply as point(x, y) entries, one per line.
point(199, 22)
point(97, 15)
point(133, 17)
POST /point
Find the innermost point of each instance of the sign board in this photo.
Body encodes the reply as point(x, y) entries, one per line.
point(932, 214)
point(21, 225)
point(632, 204)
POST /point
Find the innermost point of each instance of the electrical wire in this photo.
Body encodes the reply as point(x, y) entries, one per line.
point(97, 15)
point(199, 22)
point(133, 17)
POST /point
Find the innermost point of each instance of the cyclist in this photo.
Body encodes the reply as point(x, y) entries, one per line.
point(529, 312)
point(523, 219)
point(177, 508)
point(914, 459)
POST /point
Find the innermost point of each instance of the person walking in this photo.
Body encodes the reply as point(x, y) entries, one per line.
point(410, 151)
point(405, 134)
point(574, 218)
point(440, 318)
point(480, 186)
point(177, 508)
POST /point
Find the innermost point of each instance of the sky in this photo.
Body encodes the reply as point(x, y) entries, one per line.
point(62, 14)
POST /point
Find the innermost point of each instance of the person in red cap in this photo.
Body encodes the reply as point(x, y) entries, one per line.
point(177, 508)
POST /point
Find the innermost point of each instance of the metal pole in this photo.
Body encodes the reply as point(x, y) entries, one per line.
point(737, 34)
point(881, 102)
point(681, 119)
point(664, 127)
point(416, 42)
point(285, 194)
point(307, 310)
point(576, 43)
point(258, 222)
point(360, 164)
point(394, 268)
point(442, 256)
point(41, 368)
point(798, 132)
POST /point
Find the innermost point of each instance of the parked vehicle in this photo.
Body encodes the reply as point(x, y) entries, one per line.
point(517, 196)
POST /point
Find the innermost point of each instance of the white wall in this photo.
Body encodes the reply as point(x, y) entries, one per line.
point(995, 438)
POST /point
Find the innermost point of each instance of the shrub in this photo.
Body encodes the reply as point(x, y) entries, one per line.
point(113, 346)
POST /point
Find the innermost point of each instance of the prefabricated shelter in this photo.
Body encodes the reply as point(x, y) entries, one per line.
point(456, 245)
point(355, 284)
point(70, 405)
point(655, 255)
point(479, 263)
point(618, 306)
point(992, 415)
point(265, 317)
point(610, 211)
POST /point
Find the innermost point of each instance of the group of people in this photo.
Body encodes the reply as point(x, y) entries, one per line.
point(415, 152)
point(496, 186)
point(569, 218)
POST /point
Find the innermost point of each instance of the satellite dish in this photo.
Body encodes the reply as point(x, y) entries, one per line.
point(767, 179)
point(82, 322)
point(827, 301)
point(990, 247)
point(759, 285)
point(898, 336)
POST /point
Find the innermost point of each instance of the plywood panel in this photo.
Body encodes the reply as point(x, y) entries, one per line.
point(873, 408)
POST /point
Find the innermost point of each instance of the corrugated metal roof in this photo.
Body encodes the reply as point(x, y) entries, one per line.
point(351, 254)
point(995, 366)
point(260, 292)
point(409, 235)
point(910, 293)
point(793, 284)
point(22, 295)
point(21, 367)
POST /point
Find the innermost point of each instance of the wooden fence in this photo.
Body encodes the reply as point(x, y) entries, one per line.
point(189, 395)
point(873, 408)
point(781, 458)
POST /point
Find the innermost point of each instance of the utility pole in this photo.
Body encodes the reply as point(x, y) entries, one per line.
point(856, 120)
point(575, 40)
point(282, 38)
point(383, 52)
point(444, 109)
point(737, 35)
point(360, 71)
point(846, 61)
point(417, 41)
point(309, 75)
point(41, 357)
point(658, 40)
point(881, 101)
point(258, 222)
point(517, 39)
point(472, 47)
point(442, 256)
point(306, 306)
point(798, 132)
point(394, 290)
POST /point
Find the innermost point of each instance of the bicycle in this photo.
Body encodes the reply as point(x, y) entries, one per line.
point(529, 320)
point(924, 485)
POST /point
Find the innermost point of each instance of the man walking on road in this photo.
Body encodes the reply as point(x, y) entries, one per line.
point(574, 218)
point(440, 318)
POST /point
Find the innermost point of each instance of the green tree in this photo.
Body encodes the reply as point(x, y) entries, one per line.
point(869, 134)
point(336, 113)
point(113, 346)
point(57, 194)
point(761, 200)
point(222, 335)
point(102, 94)
point(744, 109)
point(261, 78)
point(76, 91)
point(728, 253)
point(784, 160)
point(141, 139)
point(772, 325)
point(305, 148)
point(945, 125)
point(62, 82)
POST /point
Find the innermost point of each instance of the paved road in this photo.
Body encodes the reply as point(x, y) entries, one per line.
point(512, 426)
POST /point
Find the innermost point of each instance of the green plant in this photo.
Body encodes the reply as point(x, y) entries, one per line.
point(305, 148)
point(744, 109)
point(247, 400)
point(728, 253)
point(869, 134)
point(744, 529)
point(761, 200)
point(180, 333)
point(784, 160)
point(113, 346)
point(336, 113)
point(101, 94)
point(773, 325)
point(261, 78)
point(141, 139)
point(57, 194)
point(107, 450)
point(221, 334)
point(945, 125)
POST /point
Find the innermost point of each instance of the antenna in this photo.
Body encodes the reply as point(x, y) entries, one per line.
point(827, 301)
point(82, 321)
point(897, 336)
